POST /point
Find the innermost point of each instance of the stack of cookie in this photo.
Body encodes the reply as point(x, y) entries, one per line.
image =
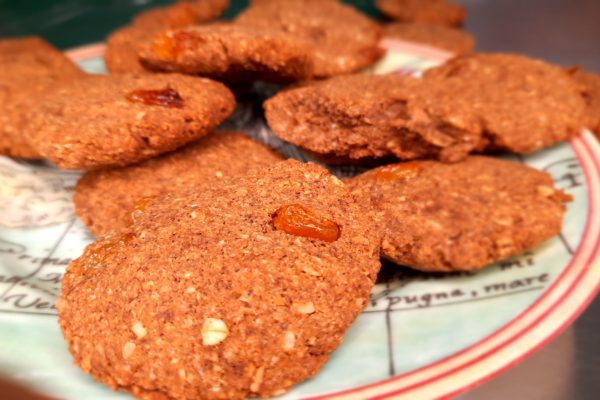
point(222, 271)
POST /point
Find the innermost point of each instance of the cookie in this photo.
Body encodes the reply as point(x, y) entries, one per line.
point(364, 117)
point(591, 83)
point(447, 38)
point(105, 199)
point(440, 12)
point(342, 40)
point(29, 67)
point(230, 53)
point(462, 216)
point(123, 45)
point(115, 120)
point(182, 13)
point(252, 282)
point(524, 104)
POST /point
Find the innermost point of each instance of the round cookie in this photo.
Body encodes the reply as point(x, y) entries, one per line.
point(462, 216)
point(212, 281)
point(115, 120)
point(123, 45)
point(342, 40)
point(105, 199)
point(231, 53)
point(182, 13)
point(524, 104)
point(447, 38)
point(440, 12)
point(29, 67)
point(591, 83)
point(365, 117)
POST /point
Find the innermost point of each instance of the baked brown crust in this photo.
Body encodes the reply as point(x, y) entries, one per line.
point(342, 39)
point(360, 117)
point(444, 37)
point(591, 83)
point(95, 123)
point(524, 104)
point(462, 216)
point(29, 66)
point(123, 45)
point(231, 53)
point(204, 282)
point(182, 13)
point(440, 12)
point(105, 199)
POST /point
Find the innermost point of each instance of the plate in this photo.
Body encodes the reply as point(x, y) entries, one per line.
point(422, 335)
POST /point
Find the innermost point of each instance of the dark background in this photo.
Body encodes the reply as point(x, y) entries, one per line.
point(560, 31)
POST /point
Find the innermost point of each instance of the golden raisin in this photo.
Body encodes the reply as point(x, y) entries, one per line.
point(297, 220)
point(165, 46)
point(141, 204)
point(102, 253)
point(397, 172)
point(166, 97)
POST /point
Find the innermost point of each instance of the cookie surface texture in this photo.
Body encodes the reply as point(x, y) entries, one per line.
point(116, 120)
point(182, 13)
point(524, 104)
point(230, 53)
point(29, 67)
point(360, 117)
point(206, 282)
point(342, 40)
point(591, 83)
point(463, 216)
point(441, 12)
point(107, 199)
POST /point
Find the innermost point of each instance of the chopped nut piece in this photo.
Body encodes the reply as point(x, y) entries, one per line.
point(128, 349)
point(310, 270)
point(289, 341)
point(306, 308)
point(139, 330)
point(258, 379)
point(214, 331)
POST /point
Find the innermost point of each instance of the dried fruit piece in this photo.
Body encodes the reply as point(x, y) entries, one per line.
point(164, 46)
point(299, 221)
point(397, 172)
point(102, 253)
point(166, 97)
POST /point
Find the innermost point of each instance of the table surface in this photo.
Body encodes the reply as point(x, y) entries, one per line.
point(566, 32)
